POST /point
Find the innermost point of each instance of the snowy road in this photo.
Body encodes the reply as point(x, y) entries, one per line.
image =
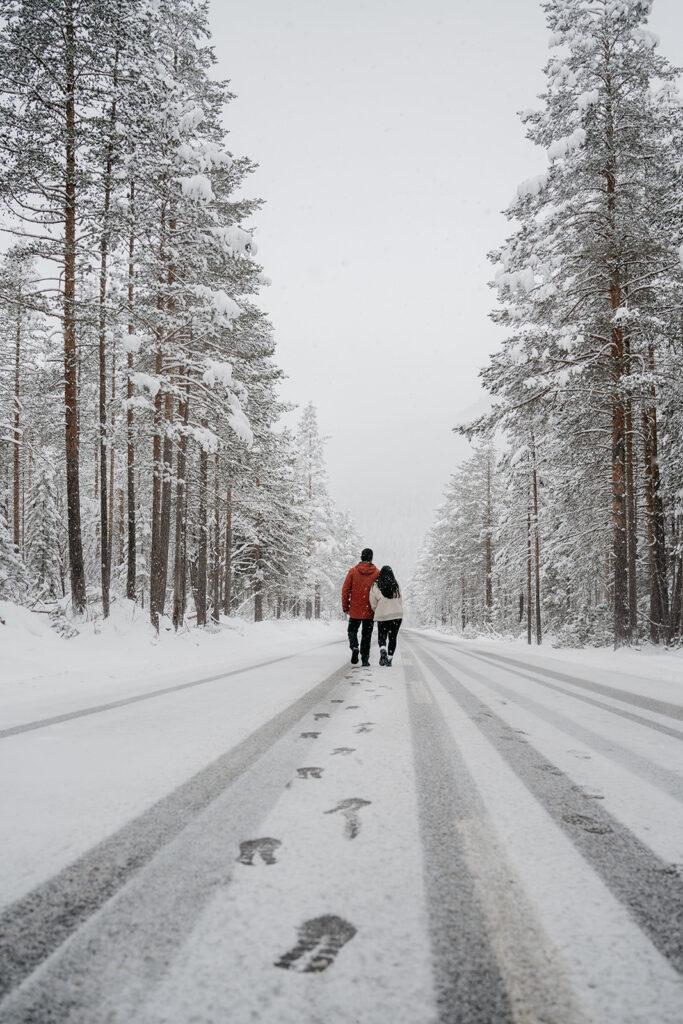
point(469, 836)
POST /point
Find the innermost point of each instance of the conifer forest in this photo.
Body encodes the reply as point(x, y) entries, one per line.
point(568, 515)
point(141, 454)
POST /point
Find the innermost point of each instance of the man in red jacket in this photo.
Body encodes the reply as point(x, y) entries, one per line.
point(356, 604)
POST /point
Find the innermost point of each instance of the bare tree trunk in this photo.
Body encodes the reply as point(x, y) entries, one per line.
point(131, 574)
point(227, 585)
point(106, 512)
point(112, 456)
point(73, 496)
point(122, 530)
point(167, 451)
point(155, 559)
point(17, 426)
point(258, 587)
point(215, 609)
point(203, 539)
point(318, 602)
point(488, 542)
point(180, 546)
point(631, 533)
point(528, 574)
point(537, 543)
point(619, 547)
point(105, 564)
point(660, 625)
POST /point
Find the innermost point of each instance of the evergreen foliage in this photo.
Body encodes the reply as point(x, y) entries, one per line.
point(130, 337)
point(586, 394)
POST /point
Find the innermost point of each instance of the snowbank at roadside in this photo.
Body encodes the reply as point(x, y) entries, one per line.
point(122, 655)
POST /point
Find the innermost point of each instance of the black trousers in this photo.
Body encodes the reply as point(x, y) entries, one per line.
point(365, 637)
point(388, 631)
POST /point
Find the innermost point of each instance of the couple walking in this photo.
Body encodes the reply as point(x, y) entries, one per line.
point(372, 595)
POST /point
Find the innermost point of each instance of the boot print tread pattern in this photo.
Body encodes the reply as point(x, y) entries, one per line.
point(264, 847)
point(349, 808)
point(318, 943)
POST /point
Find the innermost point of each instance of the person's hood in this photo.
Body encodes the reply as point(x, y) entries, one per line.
point(366, 568)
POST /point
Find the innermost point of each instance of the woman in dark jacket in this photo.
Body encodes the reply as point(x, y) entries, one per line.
point(387, 604)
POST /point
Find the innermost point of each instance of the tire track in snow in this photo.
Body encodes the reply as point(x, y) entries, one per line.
point(646, 885)
point(669, 782)
point(538, 675)
point(468, 982)
point(36, 925)
point(97, 709)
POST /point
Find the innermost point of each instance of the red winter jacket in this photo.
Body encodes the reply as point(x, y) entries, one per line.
point(356, 590)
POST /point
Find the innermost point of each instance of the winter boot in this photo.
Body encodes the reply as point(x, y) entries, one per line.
point(383, 660)
point(365, 662)
point(388, 661)
point(354, 655)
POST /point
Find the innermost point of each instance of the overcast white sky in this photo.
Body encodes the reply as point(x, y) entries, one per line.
point(388, 142)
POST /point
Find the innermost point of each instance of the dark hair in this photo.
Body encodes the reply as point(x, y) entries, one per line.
point(387, 583)
point(366, 555)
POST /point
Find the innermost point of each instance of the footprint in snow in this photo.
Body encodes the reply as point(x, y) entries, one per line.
point(589, 794)
point(318, 942)
point(349, 808)
point(351, 707)
point(337, 700)
point(549, 768)
point(310, 773)
point(365, 727)
point(597, 828)
point(310, 735)
point(344, 750)
point(321, 714)
point(264, 847)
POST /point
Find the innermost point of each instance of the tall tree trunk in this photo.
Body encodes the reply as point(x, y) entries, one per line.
point(122, 530)
point(131, 573)
point(155, 558)
point(17, 425)
point(167, 452)
point(106, 508)
point(180, 546)
point(105, 562)
point(227, 584)
point(203, 538)
point(488, 541)
point(619, 547)
point(537, 543)
point(528, 574)
point(631, 532)
point(216, 602)
point(73, 496)
point(258, 586)
point(660, 626)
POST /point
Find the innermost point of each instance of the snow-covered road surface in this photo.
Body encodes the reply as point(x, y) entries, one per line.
point(469, 836)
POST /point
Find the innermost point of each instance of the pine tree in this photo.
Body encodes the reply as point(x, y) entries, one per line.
point(45, 531)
